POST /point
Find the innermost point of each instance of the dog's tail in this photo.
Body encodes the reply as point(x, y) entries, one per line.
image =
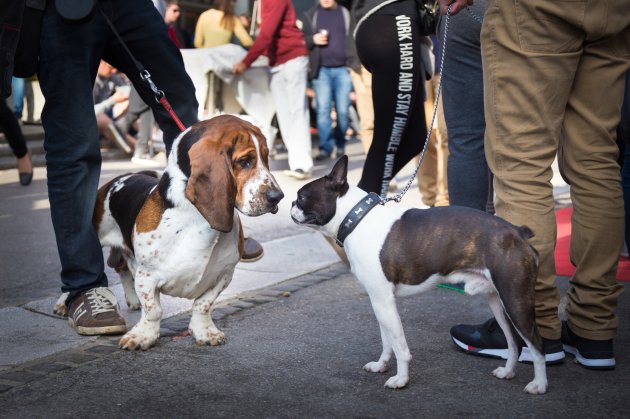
point(525, 232)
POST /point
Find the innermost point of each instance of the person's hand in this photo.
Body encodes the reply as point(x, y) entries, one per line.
point(456, 5)
point(120, 96)
point(239, 68)
point(320, 39)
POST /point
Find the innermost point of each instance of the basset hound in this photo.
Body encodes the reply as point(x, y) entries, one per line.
point(179, 233)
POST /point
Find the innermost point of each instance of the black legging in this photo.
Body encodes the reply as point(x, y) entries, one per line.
point(12, 131)
point(389, 47)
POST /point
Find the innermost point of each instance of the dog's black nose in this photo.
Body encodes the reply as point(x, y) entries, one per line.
point(274, 196)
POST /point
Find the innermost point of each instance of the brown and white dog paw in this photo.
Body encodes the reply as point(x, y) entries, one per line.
point(137, 338)
point(208, 337)
point(60, 307)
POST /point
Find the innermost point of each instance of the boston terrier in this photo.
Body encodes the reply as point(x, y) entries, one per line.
point(396, 251)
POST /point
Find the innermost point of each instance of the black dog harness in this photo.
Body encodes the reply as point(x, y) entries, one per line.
point(355, 216)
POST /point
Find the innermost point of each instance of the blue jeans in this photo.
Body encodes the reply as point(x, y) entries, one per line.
point(69, 55)
point(332, 84)
point(468, 174)
point(17, 96)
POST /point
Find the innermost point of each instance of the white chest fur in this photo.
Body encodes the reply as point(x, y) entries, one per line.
point(184, 257)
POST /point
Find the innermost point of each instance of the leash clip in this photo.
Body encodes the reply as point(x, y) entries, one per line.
point(146, 77)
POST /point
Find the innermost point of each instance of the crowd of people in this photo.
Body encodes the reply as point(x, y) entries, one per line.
point(515, 97)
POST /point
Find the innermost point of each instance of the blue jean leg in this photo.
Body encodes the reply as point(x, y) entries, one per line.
point(343, 87)
point(69, 58)
point(17, 96)
point(462, 84)
point(332, 83)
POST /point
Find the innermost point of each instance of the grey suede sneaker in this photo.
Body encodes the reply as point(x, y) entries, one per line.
point(94, 312)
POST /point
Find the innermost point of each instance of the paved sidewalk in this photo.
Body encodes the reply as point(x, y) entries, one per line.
point(296, 350)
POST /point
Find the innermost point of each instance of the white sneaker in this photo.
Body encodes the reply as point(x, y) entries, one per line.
point(298, 174)
point(146, 160)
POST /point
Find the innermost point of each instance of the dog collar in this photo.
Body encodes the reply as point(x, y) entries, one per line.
point(355, 216)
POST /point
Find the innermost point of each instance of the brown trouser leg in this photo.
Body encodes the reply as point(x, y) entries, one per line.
point(362, 83)
point(553, 80)
point(432, 177)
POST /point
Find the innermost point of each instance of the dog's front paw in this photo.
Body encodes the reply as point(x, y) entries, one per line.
point(536, 387)
point(137, 338)
point(397, 381)
point(376, 366)
point(60, 309)
point(212, 337)
point(503, 373)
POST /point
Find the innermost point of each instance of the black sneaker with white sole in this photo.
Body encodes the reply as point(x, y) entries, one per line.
point(592, 354)
point(487, 339)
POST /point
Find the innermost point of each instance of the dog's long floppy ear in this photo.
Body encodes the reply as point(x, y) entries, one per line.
point(338, 176)
point(211, 186)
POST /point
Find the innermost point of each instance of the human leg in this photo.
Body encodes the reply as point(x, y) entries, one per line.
point(427, 175)
point(323, 88)
point(72, 148)
point(467, 168)
point(17, 96)
point(342, 84)
point(13, 133)
point(362, 82)
point(399, 127)
point(288, 88)
point(441, 154)
point(589, 162)
point(522, 134)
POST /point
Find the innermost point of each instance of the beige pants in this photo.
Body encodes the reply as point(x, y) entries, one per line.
point(553, 80)
point(362, 83)
point(432, 179)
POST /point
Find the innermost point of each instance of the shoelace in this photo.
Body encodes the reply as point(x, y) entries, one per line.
point(100, 302)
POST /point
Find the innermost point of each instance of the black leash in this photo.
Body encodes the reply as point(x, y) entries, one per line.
point(145, 76)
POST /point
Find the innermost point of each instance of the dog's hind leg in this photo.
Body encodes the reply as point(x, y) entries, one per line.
point(383, 362)
point(539, 384)
point(507, 372)
point(120, 264)
point(126, 279)
point(60, 307)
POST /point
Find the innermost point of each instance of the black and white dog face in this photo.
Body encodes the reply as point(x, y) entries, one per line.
point(315, 205)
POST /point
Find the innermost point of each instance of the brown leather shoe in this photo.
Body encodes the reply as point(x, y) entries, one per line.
point(252, 250)
point(94, 312)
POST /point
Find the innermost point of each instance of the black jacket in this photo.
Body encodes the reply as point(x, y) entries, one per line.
point(309, 23)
